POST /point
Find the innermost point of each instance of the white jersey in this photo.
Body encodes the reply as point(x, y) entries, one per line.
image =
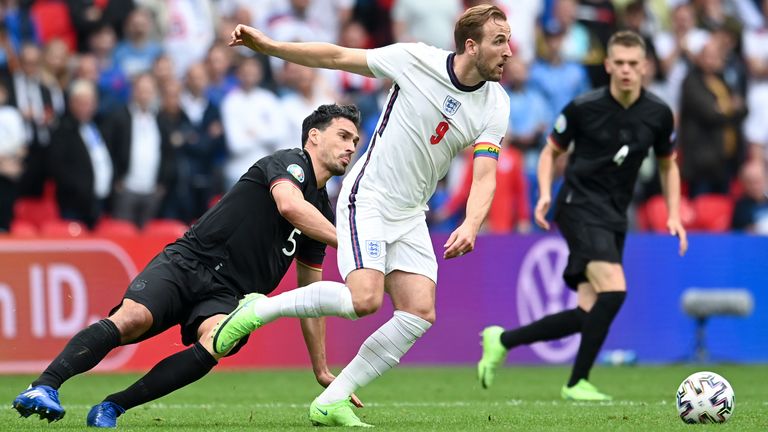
point(428, 118)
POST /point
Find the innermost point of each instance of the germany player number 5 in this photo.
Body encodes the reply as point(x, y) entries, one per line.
point(292, 241)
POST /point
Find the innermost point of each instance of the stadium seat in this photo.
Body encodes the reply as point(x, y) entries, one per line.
point(654, 214)
point(23, 229)
point(63, 228)
point(713, 212)
point(165, 227)
point(116, 228)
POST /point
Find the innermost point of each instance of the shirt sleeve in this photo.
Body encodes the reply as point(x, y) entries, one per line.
point(390, 61)
point(287, 167)
point(665, 142)
point(488, 143)
point(312, 252)
point(564, 129)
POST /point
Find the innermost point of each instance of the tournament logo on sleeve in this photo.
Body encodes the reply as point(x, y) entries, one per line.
point(297, 172)
point(451, 105)
point(561, 124)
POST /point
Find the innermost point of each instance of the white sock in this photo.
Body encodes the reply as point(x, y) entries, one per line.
point(314, 300)
point(380, 352)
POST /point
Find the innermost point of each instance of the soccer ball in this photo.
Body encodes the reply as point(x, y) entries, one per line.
point(705, 397)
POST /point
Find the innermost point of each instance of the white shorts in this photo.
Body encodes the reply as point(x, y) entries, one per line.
point(369, 240)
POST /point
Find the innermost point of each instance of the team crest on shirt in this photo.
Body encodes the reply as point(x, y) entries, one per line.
point(373, 247)
point(450, 105)
point(297, 172)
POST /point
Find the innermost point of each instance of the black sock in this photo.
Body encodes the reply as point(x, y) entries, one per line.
point(84, 351)
point(172, 373)
point(593, 332)
point(550, 327)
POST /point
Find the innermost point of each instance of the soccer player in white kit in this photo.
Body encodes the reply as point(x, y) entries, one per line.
point(440, 103)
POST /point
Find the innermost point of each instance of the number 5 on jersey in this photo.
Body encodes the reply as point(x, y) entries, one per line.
point(292, 241)
point(440, 131)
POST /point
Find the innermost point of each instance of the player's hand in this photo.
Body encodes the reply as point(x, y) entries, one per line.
point(325, 379)
point(244, 35)
point(460, 242)
point(540, 214)
point(676, 229)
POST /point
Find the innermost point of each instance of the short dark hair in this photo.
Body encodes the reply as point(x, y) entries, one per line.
point(470, 24)
point(322, 117)
point(627, 38)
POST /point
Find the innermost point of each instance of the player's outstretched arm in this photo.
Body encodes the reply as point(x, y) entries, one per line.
point(462, 240)
point(312, 54)
point(670, 187)
point(303, 215)
point(545, 173)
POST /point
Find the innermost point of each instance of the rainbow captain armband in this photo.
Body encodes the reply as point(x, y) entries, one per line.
point(487, 150)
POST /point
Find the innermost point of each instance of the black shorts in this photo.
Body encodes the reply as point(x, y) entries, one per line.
point(177, 290)
point(587, 243)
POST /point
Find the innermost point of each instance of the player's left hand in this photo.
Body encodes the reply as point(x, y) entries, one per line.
point(460, 242)
point(676, 229)
point(325, 380)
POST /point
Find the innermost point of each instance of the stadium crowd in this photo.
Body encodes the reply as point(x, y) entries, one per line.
point(115, 113)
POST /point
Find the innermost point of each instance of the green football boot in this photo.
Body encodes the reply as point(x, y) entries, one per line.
point(494, 354)
point(237, 325)
point(336, 414)
point(583, 391)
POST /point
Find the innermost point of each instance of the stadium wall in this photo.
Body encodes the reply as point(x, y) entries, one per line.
point(51, 288)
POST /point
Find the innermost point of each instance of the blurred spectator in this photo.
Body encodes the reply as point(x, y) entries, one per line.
point(427, 21)
point(510, 209)
point(16, 26)
point(52, 21)
point(113, 85)
point(56, 72)
point(576, 39)
point(734, 68)
point(559, 80)
point(353, 88)
point(751, 211)
point(252, 126)
point(305, 92)
point(143, 165)
point(221, 79)
point(529, 116)
point(599, 17)
point(756, 54)
point(190, 34)
point(295, 24)
point(33, 99)
point(522, 16)
point(81, 164)
point(163, 70)
point(677, 48)
point(710, 125)
point(200, 158)
point(89, 15)
point(376, 17)
point(176, 133)
point(255, 13)
point(137, 52)
point(12, 149)
point(712, 15)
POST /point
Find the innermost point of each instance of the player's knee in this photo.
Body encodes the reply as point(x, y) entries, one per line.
point(366, 303)
point(132, 320)
point(426, 313)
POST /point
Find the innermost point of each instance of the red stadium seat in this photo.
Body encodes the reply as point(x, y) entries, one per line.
point(38, 211)
point(63, 228)
point(23, 229)
point(654, 214)
point(116, 228)
point(165, 227)
point(713, 212)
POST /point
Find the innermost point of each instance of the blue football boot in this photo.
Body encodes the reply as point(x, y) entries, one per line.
point(41, 400)
point(104, 415)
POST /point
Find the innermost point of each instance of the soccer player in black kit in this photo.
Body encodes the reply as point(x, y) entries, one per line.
point(612, 129)
point(277, 211)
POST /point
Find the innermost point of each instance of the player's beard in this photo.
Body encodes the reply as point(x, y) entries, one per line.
point(334, 165)
point(486, 72)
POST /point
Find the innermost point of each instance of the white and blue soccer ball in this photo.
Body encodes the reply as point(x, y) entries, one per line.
point(705, 397)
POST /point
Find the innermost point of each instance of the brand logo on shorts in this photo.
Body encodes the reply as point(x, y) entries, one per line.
point(373, 247)
point(450, 105)
point(297, 172)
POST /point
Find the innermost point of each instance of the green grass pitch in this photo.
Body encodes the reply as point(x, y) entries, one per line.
point(412, 399)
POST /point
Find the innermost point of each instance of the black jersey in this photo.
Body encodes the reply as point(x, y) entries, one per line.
point(610, 143)
point(244, 240)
